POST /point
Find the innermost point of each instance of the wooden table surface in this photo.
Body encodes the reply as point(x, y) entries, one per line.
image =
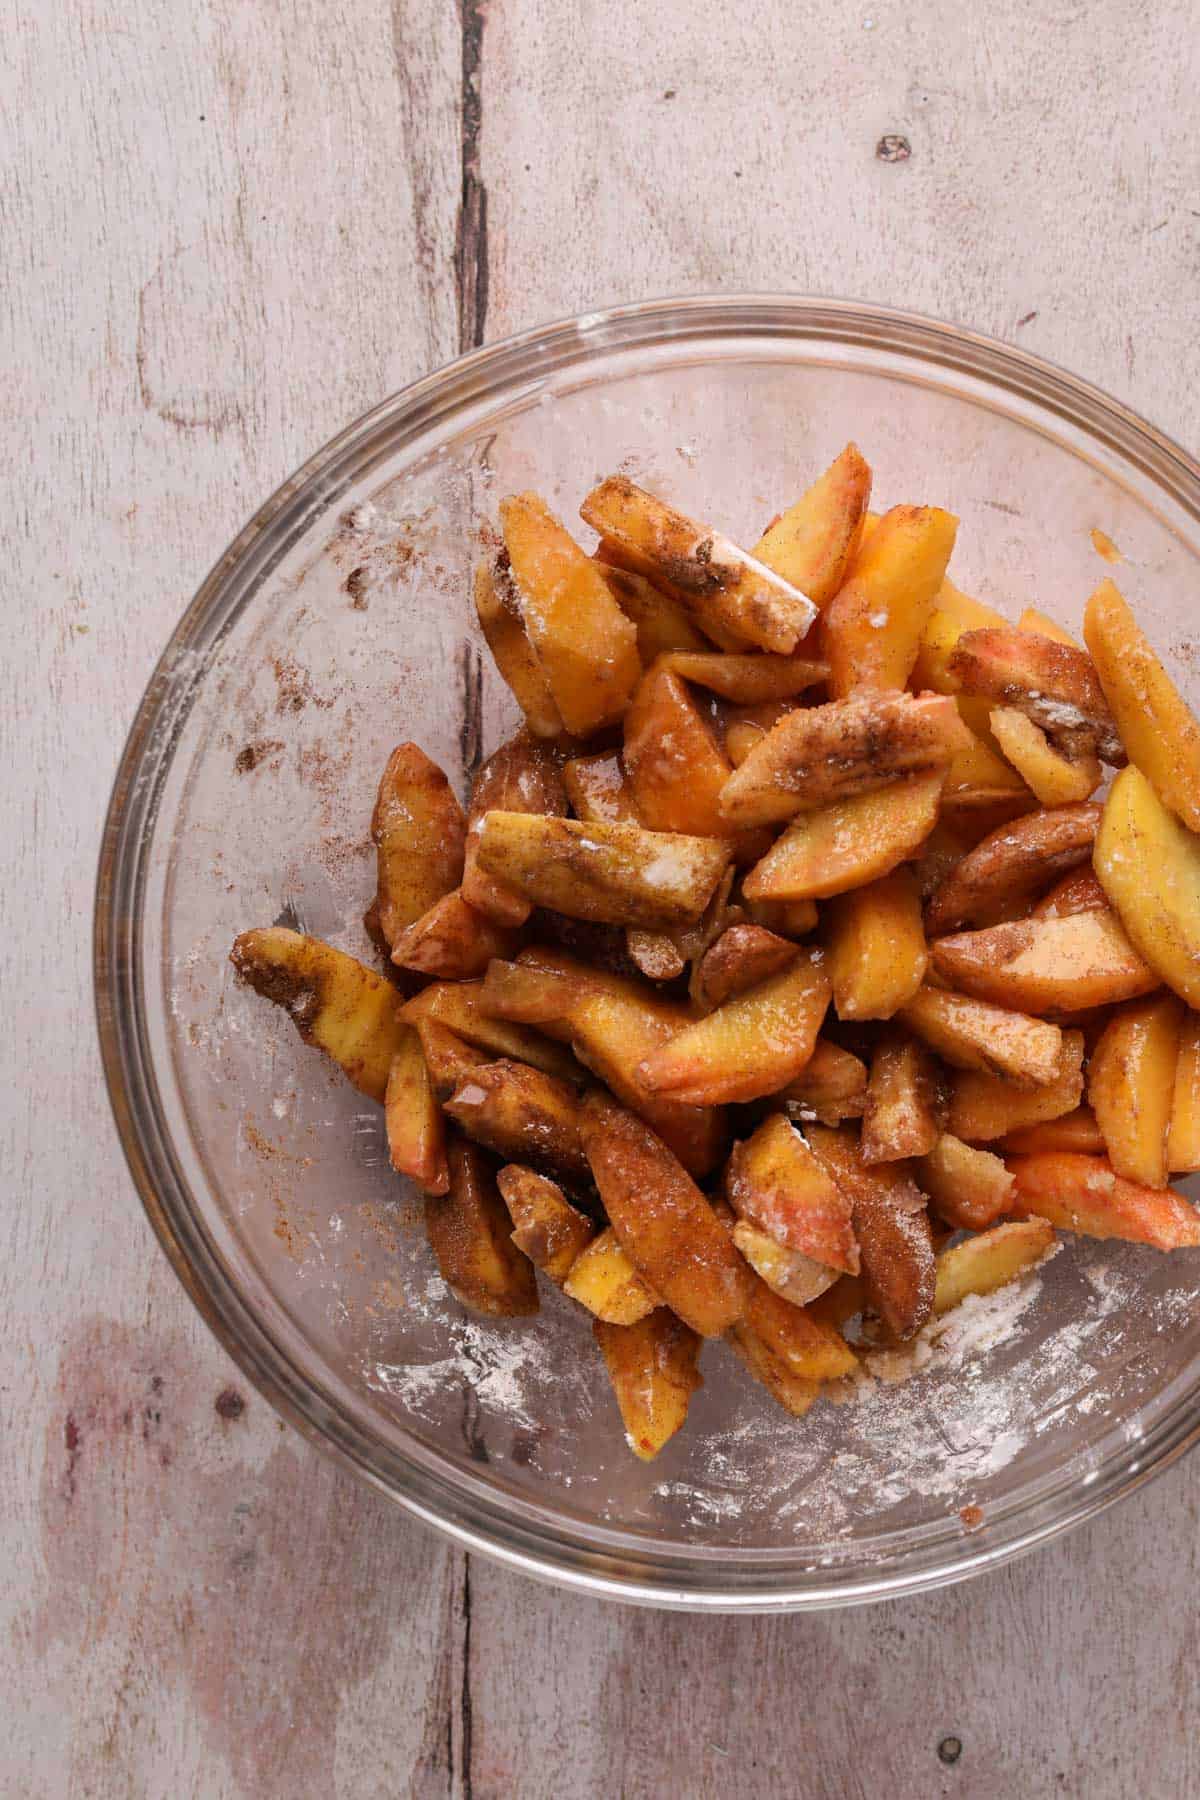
point(227, 227)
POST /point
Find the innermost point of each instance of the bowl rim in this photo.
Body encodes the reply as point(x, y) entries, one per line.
point(546, 1551)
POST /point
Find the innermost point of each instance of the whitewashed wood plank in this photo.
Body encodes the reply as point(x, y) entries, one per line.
point(1071, 1672)
point(1049, 197)
point(227, 229)
point(1044, 191)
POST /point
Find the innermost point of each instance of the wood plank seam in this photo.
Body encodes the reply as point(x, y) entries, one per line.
point(471, 274)
point(471, 247)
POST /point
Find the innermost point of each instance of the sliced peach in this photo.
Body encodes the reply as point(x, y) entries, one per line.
point(614, 1024)
point(806, 1347)
point(460, 1007)
point(674, 767)
point(775, 1182)
point(655, 954)
point(946, 845)
point(1076, 1130)
point(789, 1273)
point(614, 1040)
point(546, 1227)
point(751, 1046)
point(701, 613)
point(788, 918)
point(877, 950)
point(418, 830)
point(901, 1115)
point(1080, 891)
point(1052, 683)
point(743, 728)
point(335, 1002)
point(415, 1132)
point(448, 1057)
point(1041, 623)
point(818, 755)
point(813, 543)
point(892, 1228)
point(499, 613)
point(523, 775)
point(979, 782)
point(1002, 874)
point(747, 680)
point(1159, 729)
point(1131, 1083)
point(970, 1034)
point(968, 1187)
point(795, 1393)
point(1149, 866)
point(661, 622)
point(783, 1343)
point(1055, 779)
point(544, 986)
point(847, 844)
point(873, 624)
point(603, 1279)
point(742, 956)
point(664, 1223)
point(984, 1264)
point(597, 789)
point(984, 1107)
point(953, 613)
point(469, 1233)
point(831, 1086)
point(613, 874)
point(452, 941)
point(585, 646)
point(711, 574)
point(652, 1368)
point(1085, 1194)
point(898, 1263)
point(840, 1303)
point(524, 1115)
point(1183, 1137)
point(1047, 965)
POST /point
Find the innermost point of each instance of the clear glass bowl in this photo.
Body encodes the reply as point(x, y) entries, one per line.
point(339, 623)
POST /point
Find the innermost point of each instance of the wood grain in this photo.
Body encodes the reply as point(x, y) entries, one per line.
point(1049, 195)
point(226, 232)
point(227, 229)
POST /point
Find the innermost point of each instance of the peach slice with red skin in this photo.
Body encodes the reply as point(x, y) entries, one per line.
point(776, 1182)
point(1085, 1194)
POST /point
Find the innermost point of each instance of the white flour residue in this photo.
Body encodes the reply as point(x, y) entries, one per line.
point(928, 1422)
point(978, 1324)
point(711, 1504)
point(504, 1368)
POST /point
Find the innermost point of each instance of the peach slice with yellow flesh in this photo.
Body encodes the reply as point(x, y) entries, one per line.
point(752, 1045)
point(775, 1182)
point(812, 544)
point(1158, 728)
point(1047, 965)
point(653, 1372)
point(983, 1107)
point(584, 644)
point(847, 844)
point(1149, 866)
point(820, 755)
point(663, 1222)
point(872, 627)
point(748, 600)
point(1131, 1085)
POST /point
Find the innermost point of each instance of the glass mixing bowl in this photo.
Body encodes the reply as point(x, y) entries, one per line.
point(340, 623)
